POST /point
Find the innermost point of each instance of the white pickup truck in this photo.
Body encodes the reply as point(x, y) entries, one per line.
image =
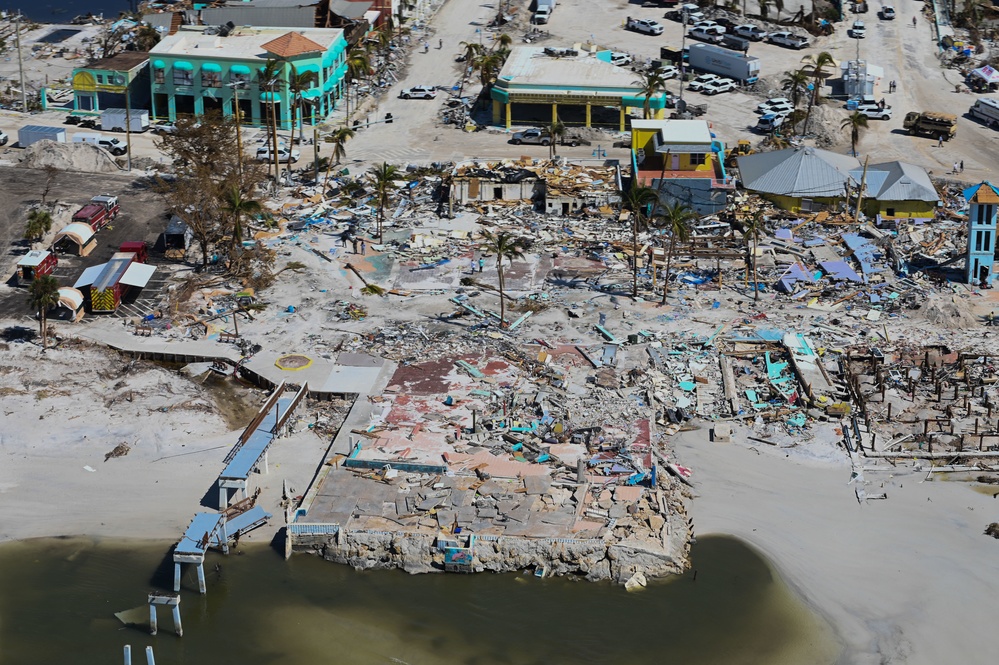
point(787, 39)
point(647, 26)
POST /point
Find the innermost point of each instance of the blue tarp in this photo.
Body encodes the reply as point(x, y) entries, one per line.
point(840, 270)
point(795, 273)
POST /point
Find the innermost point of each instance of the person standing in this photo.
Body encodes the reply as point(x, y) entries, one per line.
point(940, 141)
point(962, 166)
point(990, 319)
point(482, 263)
point(955, 167)
point(364, 247)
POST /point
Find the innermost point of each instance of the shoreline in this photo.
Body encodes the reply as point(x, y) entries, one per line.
point(871, 570)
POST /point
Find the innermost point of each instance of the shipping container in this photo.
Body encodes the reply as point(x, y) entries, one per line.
point(724, 62)
point(30, 134)
point(113, 120)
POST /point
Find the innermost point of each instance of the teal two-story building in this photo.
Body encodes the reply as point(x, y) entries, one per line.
point(201, 69)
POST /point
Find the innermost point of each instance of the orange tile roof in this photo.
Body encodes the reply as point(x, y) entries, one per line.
point(291, 44)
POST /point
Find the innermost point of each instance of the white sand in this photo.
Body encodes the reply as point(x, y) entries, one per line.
point(909, 579)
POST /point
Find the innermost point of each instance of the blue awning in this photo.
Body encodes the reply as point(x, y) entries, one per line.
point(240, 69)
point(159, 64)
point(309, 94)
point(210, 67)
point(301, 69)
point(182, 65)
point(270, 96)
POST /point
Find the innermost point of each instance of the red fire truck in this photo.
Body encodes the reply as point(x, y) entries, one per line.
point(99, 212)
point(36, 263)
point(108, 282)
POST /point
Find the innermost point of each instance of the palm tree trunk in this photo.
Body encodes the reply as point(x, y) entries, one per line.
point(45, 328)
point(669, 264)
point(381, 220)
point(499, 270)
point(274, 124)
point(756, 282)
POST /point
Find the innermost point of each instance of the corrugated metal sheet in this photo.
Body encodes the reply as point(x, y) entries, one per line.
point(798, 172)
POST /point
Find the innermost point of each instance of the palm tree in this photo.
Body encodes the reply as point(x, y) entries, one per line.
point(815, 65)
point(556, 130)
point(384, 177)
point(505, 246)
point(637, 200)
point(39, 223)
point(854, 122)
point(340, 137)
point(272, 81)
point(146, 37)
point(792, 120)
point(297, 85)
point(44, 295)
point(470, 53)
point(237, 205)
point(796, 83)
point(488, 64)
point(779, 6)
point(751, 229)
point(358, 67)
point(675, 219)
point(653, 84)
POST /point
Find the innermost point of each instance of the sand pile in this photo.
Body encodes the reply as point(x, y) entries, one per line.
point(69, 157)
point(942, 311)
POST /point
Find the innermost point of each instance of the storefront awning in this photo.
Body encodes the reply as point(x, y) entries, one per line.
point(211, 67)
point(301, 69)
point(138, 274)
point(159, 64)
point(183, 65)
point(240, 69)
point(272, 97)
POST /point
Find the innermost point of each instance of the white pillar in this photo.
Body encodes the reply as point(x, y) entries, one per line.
point(152, 619)
point(201, 577)
point(150, 660)
point(128, 654)
point(176, 577)
point(176, 620)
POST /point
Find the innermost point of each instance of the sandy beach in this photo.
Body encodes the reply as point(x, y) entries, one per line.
point(907, 579)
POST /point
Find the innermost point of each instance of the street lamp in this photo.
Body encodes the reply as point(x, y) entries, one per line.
point(680, 106)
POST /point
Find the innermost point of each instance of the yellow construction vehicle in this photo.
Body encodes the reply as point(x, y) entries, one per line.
point(744, 147)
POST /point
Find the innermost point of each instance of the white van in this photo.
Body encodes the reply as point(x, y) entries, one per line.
point(986, 110)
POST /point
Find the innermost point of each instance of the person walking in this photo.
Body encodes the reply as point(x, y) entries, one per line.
point(913, 21)
point(364, 248)
point(355, 245)
point(962, 166)
point(955, 167)
point(940, 141)
point(990, 319)
point(482, 263)
point(440, 44)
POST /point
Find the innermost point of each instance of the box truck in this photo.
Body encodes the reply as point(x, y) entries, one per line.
point(986, 110)
point(724, 62)
point(34, 133)
point(114, 120)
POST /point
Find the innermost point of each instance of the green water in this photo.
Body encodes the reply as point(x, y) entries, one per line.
point(58, 598)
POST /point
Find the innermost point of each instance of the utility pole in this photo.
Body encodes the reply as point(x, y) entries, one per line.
point(680, 106)
point(128, 125)
point(20, 63)
point(236, 85)
point(315, 161)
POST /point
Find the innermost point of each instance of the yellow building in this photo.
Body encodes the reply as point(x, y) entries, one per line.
point(800, 179)
point(683, 160)
point(544, 85)
point(897, 191)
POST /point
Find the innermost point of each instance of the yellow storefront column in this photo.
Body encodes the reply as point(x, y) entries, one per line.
point(588, 108)
point(660, 113)
point(496, 112)
point(554, 113)
point(509, 114)
point(622, 119)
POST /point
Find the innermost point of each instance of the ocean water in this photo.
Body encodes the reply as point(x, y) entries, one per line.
point(63, 11)
point(58, 598)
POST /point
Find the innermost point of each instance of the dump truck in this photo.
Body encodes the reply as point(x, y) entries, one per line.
point(100, 212)
point(932, 124)
point(724, 62)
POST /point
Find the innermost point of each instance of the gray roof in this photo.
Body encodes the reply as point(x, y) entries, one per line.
point(161, 20)
point(897, 181)
point(798, 172)
point(272, 17)
point(349, 9)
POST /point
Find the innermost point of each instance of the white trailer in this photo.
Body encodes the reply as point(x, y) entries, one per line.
point(34, 133)
point(724, 62)
point(986, 110)
point(113, 120)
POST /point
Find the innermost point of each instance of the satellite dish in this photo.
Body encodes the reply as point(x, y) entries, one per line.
point(119, 79)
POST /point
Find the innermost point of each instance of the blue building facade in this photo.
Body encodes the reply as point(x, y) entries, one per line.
point(984, 205)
